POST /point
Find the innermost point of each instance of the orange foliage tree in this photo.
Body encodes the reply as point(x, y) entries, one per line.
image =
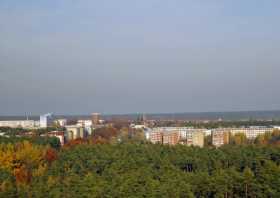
point(24, 160)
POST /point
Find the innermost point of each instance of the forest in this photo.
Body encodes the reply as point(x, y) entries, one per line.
point(137, 169)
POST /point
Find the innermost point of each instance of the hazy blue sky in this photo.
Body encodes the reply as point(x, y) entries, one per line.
point(121, 56)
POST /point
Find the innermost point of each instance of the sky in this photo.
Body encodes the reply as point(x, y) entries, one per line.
point(150, 56)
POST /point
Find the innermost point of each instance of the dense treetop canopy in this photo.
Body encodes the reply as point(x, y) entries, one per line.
point(143, 170)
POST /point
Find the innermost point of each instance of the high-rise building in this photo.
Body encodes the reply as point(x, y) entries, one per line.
point(164, 137)
point(252, 132)
point(95, 117)
point(220, 137)
point(195, 137)
point(46, 120)
point(174, 135)
point(171, 137)
point(155, 137)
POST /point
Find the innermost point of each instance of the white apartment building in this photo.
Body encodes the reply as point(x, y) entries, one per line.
point(84, 123)
point(187, 135)
point(87, 125)
point(19, 124)
point(61, 122)
point(46, 120)
point(220, 136)
point(195, 137)
point(182, 130)
point(250, 132)
point(74, 132)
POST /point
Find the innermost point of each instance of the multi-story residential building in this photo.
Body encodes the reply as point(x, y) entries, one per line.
point(252, 132)
point(220, 137)
point(95, 117)
point(155, 136)
point(187, 135)
point(46, 120)
point(29, 124)
point(207, 132)
point(182, 130)
point(84, 123)
point(170, 137)
point(74, 132)
point(61, 122)
point(174, 135)
point(194, 137)
point(87, 124)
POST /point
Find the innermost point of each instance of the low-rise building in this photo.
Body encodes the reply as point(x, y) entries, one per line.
point(61, 122)
point(58, 134)
point(137, 126)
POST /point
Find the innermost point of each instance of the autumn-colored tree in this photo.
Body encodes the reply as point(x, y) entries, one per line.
point(51, 155)
point(238, 139)
point(98, 140)
point(22, 160)
point(264, 139)
point(75, 142)
point(106, 133)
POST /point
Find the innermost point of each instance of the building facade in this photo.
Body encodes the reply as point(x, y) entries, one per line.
point(46, 120)
point(74, 132)
point(155, 137)
point(29, 124)
point(95, 117)
point(61, 122)
point(220, 137)
point(171, 137)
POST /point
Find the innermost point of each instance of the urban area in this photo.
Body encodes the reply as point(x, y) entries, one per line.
point(154, 131)
point(138, 155)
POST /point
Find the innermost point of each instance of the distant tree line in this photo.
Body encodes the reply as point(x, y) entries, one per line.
point(231, 124)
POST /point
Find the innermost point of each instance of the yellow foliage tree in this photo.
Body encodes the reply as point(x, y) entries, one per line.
point(23, 160)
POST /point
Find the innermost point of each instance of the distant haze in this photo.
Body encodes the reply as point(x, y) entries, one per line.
point(78, 57)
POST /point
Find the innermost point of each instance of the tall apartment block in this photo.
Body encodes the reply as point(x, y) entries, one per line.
point(46, 120)
point(171, 137)
point(220, 137)
point(95, 117)
point(194, 137)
